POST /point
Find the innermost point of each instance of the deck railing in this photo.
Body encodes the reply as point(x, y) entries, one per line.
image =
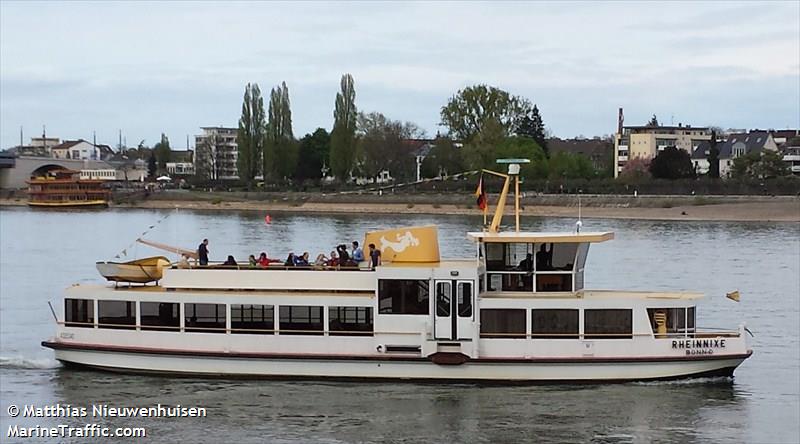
point(272, 267)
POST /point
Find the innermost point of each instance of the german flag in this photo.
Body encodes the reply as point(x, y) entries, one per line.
point(480, 193)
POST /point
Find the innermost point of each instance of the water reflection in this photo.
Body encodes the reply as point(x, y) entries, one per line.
point(288, 411)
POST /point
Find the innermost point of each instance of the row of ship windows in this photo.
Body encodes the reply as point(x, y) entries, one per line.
point(597, 323)
point(355, 321)
point(211, 318)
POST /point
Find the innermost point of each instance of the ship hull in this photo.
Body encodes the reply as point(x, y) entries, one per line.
point(393, 367)
point(69, 204)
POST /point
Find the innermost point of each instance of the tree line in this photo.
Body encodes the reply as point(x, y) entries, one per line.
point(483, 123)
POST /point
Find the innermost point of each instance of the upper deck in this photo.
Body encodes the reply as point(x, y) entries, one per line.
point(536, 238)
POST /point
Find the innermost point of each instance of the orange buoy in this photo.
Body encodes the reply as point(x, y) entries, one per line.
point(267, 219)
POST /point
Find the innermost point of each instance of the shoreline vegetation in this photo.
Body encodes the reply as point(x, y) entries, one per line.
point(675, 207)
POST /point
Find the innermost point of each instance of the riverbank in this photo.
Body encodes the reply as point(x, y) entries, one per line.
point(694, 208)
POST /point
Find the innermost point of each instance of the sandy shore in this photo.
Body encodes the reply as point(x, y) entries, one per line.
point(780, 210)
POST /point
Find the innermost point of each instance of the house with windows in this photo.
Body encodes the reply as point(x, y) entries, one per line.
point(734, 146)
point(76, 149)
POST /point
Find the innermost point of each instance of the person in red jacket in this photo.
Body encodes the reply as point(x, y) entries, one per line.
point(264, 261)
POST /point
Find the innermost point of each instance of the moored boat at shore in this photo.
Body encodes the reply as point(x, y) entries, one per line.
point(63, 188)
point(515, 312)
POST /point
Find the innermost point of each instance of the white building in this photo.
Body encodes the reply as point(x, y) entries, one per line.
point(216, 153)
point(76, 149)
point(180, 168)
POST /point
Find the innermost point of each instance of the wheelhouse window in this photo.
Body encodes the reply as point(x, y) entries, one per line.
point(502, 323)
point(553, 282)
point(554, 324)
point(79, 313)
point(116, 314)
point(252, 319)
point(608, 324)
point(164, 316)
point(403, 296)
point(350, 321)
point(300, 320)
point(502, 256)
point(555, 256)
point(526, 267)
point(205, 318)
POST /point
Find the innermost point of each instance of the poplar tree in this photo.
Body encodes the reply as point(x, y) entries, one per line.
point(344, 129)
point(250, 137)
point(280, 149)
point(713, 157)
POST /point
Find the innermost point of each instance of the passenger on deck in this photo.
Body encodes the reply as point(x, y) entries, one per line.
point(252, 262)
point(374, 257)
point(301, 261)
point(358, 253)
point(183, 263)
point(321, 260)
point(344, 256)
point(230, 261)
point(264, 260)
point(289, 260)
point(202, 252)
point(544, 258)
point(333, 261)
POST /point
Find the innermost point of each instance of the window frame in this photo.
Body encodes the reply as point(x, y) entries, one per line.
point(129, 321)
point(496, 333)
point(420, 307)
point(607, 334)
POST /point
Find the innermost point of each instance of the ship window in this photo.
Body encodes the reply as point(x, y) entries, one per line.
point(403, 296)
point(607, 324)
point(678, 320)
point(253, 319)
point(443, 295)
point(116, 314)
point(350, 321)
point(554, 324)
point(79, 313)
point(300, 320)
point(502, 323)
point(555, 256)
point(205, 318)
point(160, 316)
point(508, 256)
point(553, 282)
point(464, 299)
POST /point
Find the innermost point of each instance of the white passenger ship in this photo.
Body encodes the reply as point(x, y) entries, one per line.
point(516, 312)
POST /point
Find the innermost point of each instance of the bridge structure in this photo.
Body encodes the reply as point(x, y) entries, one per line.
point(14, 171)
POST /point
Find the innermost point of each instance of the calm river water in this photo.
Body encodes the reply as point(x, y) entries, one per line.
point(42, 252)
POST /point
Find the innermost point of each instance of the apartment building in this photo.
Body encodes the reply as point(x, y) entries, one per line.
point(646, 141)
point(216, 153)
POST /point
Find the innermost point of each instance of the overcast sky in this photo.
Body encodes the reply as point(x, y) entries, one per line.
point(153, 67)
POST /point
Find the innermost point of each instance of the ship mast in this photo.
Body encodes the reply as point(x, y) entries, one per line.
point(513, 171)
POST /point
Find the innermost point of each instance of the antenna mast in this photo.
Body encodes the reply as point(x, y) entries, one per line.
point(513, 171)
